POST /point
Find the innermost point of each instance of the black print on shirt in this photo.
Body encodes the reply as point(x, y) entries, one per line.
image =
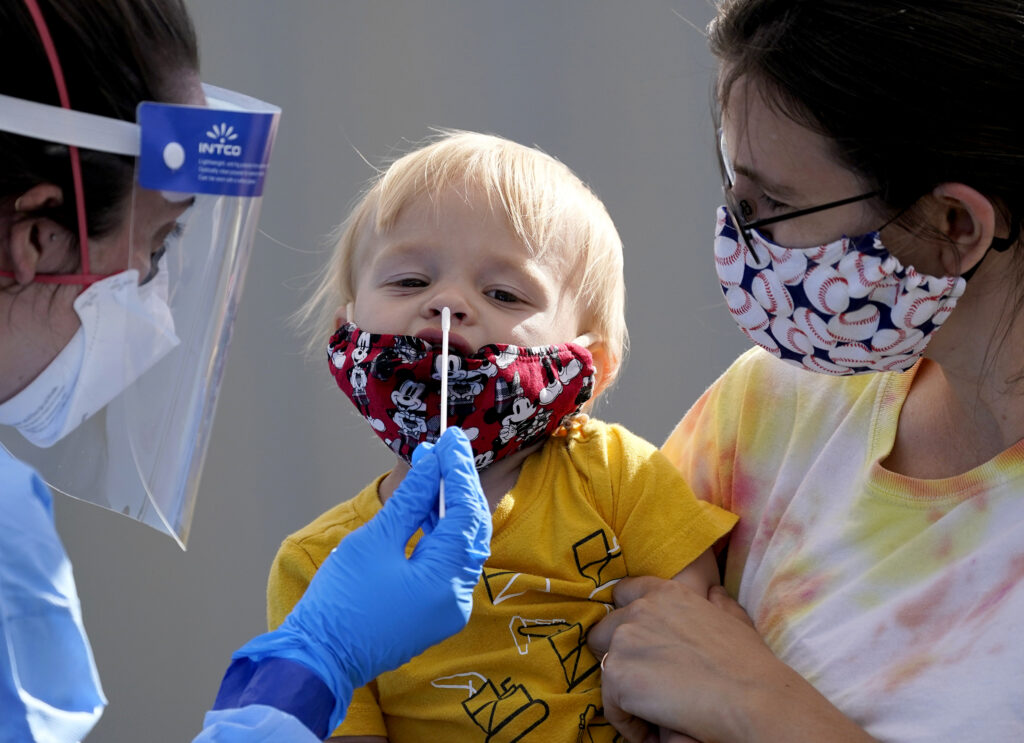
point(508, 715)
point(595, 729)
point(599, 561)
point(569, 644)
point(503, 585)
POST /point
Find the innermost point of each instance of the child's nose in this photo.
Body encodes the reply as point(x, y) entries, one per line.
point(455, 301)
point(459, 316)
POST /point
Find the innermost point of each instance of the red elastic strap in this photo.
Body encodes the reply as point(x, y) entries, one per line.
point(76, 168)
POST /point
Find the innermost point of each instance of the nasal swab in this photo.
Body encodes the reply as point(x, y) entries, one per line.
point(446, 324)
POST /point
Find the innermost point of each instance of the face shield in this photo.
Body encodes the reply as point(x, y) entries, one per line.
point(122, 417)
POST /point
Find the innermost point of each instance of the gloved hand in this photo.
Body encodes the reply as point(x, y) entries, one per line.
point(368, 609)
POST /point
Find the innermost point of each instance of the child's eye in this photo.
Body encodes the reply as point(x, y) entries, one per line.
point(409, 283)
point(502, 296)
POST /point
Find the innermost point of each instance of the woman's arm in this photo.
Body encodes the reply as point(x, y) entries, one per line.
point(697, 665)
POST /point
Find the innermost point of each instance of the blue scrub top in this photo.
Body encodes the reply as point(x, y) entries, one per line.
point(49, 687)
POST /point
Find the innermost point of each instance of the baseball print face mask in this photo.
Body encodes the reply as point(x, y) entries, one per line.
point(504, 397)
point(848, 307)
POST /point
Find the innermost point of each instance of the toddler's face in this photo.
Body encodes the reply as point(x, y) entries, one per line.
point(463, 256)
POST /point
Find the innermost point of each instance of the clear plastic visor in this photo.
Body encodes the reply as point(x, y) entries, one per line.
point(154, 333)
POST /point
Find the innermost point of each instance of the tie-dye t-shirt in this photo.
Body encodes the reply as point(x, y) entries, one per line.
point(900, 599)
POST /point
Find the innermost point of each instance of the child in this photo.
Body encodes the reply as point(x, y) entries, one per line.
point(530, 265)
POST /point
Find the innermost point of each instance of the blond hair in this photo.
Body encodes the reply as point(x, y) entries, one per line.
point(547, 206)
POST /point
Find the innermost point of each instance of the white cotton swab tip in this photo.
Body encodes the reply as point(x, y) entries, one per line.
point(446, 326)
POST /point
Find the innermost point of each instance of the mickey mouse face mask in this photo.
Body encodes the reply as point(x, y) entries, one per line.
point(504, 397)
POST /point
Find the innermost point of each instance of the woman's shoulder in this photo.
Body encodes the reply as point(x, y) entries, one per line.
point(757, 362)
point(763, 402)
point(758, 376)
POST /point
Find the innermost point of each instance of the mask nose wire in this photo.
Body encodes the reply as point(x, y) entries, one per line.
point(65, 102)
point(446, 325)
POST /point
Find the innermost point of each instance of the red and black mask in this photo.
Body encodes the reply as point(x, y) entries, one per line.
point(504, 397)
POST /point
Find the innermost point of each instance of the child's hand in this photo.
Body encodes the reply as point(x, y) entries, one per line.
point(368, 609)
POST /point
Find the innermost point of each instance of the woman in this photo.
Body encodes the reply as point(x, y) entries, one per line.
point(122, 249)
point(872, 446)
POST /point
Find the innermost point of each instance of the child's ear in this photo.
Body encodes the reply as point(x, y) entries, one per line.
point(606, 366)
point(33, 236)
point(342, 315)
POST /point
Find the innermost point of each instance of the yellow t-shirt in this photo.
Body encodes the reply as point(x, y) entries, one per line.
point(586, 510)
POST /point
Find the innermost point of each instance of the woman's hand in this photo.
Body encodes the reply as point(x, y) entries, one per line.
point(668, 648)
point(696, 665)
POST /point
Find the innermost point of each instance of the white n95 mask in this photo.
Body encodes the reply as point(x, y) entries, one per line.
point(125, 329)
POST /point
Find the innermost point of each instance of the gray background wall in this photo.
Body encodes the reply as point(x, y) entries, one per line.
point(619, 91)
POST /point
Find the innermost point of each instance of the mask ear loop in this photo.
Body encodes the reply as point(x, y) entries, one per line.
point(446, 325)
point(85, 275)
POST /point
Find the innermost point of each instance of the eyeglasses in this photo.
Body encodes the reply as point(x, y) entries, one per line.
point(739, 210)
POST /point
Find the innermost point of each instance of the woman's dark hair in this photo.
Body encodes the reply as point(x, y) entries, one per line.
point(114, 54)
point(914, 93)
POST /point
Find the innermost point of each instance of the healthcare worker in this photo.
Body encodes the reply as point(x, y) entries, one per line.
point(129, 194)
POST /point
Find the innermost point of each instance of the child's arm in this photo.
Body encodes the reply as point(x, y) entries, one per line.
point(700, 574)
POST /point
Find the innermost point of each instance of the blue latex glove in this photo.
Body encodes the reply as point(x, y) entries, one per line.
point(368, 609)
